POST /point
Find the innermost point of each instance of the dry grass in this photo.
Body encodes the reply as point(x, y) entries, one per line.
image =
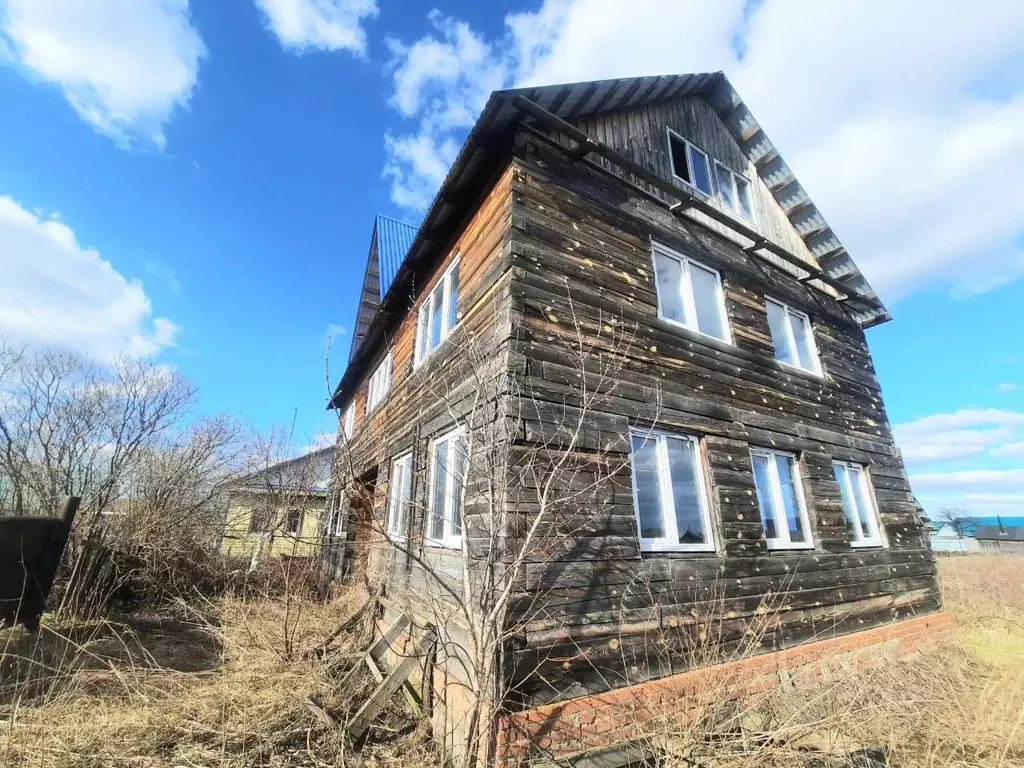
point(224, 686)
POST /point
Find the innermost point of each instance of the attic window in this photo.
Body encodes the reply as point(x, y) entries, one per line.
point(438, 313)
point(734, 191)
point(689, 164)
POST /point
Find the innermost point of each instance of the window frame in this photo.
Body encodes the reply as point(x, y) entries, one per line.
point(877, 539)
point(689, 305)
point(789, 309)
point(382, 369)
point(288, 519)
point(670, 541)
point(783, 542)
point(425, 313)
point(348, 425)
point(671, 134)
point(738, 210)
point(399, 531)
point(448, 540)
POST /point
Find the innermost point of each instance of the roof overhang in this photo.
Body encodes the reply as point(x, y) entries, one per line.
point(487, 148)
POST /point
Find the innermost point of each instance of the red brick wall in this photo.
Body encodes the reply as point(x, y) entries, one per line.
point(589, 722)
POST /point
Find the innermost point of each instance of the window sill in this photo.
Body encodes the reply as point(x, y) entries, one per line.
point(790, 547)
point(704, 338)
point(417, 364)
point(452, 546)
point(790, 368)
point(867, 544)
point(679, 549)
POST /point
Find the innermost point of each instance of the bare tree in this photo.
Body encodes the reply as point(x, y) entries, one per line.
point(534, 477)
point(72, 427)
point(959, 519)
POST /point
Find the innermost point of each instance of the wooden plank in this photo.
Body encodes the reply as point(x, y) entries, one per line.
point(371, 708)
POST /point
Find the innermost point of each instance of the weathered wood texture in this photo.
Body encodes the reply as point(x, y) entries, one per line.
point(593, 611)
point(640, 134)
point(427, 402)
point(557, 259)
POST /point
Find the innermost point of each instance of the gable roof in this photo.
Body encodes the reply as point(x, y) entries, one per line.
point(486, 149)
point(309, 472)
point(389, 243)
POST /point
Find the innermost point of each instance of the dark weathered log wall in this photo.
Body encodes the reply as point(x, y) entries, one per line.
point(594, 613)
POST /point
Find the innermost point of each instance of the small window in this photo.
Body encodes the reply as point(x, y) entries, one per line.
point(858, 504)
point(781, 499)
point(448, 458)
point(689, 164)
point(293, 524)
point(438, 314)
point(793, 337)
point(349, 421)
point(689, 293)
point(399, 493)
point(669, 493)
point(734, 191)
point(258, 520)
point(380, 384)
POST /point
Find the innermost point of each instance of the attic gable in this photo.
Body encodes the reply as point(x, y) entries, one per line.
point(389, 243)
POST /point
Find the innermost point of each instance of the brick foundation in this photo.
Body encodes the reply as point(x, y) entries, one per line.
point(618, 716)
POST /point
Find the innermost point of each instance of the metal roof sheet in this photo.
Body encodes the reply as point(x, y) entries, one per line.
point(393, 241)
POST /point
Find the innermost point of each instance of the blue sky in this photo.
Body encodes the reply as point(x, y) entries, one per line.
point(196, 181)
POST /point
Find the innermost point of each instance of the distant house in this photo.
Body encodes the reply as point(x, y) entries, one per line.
point(1001, 538)
point(282, 506)
point(945, 538)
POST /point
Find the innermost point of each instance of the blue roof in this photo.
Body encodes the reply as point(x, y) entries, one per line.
point(394, 238)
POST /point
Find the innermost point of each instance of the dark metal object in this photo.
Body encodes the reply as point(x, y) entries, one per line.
point(30, 553)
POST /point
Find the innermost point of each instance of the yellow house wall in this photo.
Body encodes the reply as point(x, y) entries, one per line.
point(239, 541)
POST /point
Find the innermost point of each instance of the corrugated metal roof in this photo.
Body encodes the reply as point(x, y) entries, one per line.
point(393, 241)
point(1004, 533)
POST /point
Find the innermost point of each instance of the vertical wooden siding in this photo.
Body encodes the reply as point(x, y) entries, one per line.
point(640, 134)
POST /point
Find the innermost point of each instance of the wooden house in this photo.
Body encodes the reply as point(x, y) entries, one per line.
point(624, 314)
point(280, 510)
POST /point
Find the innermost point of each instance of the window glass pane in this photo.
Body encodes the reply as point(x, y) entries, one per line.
point(784, 465)
point(777, 324)
point(706, 301)
point(423, 331)
point(857, 481)
point(645, 481)
point(403, 508)
point(438, 491)
point(459, 459)
point(683, 472)
point(762, 481)
point(746, 202)
point(669, 274)
point(849, 511)
point(802, 337)
point(437, 310)
point(701, 172)
point(453, 300)
point(725, 188)
point(678, 150)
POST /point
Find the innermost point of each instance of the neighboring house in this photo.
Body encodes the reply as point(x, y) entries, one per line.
point(1001, 538)
point(947, 539)
point(282, 506)
point(739, 461)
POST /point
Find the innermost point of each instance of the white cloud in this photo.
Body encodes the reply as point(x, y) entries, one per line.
point(326, 25)
point(907, 129)
point(965, 433)
point(56, 291)
point(124, 65)
point(1008, 386)
point(1013, 450)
